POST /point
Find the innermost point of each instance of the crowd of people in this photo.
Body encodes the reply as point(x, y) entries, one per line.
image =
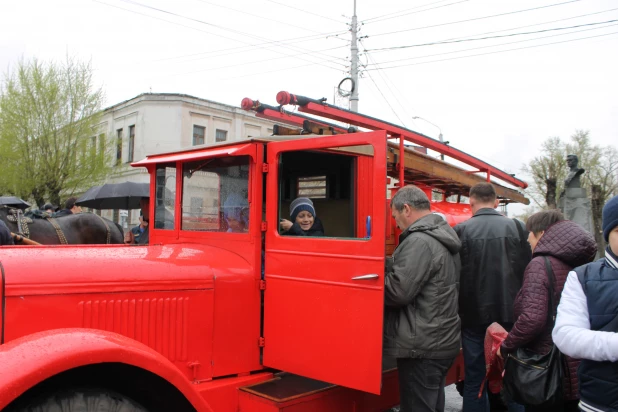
point(445, 286)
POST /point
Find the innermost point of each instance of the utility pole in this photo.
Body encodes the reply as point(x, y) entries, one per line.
point(354, 63)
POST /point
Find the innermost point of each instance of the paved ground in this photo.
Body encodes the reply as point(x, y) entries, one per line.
point(453, 399)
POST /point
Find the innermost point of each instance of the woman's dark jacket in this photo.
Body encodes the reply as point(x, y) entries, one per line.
point(567, 245)
point(316, 230)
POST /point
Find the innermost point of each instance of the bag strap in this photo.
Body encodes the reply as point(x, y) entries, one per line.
point(551, 313)
point(522, 236)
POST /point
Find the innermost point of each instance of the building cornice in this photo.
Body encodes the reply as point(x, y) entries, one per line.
point(174, 97)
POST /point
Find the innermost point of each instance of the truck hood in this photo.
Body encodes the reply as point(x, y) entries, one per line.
point(35, 270)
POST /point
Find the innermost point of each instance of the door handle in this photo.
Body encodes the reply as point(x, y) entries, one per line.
point(366, 277)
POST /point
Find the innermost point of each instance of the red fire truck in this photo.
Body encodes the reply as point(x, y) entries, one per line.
point(215, 317)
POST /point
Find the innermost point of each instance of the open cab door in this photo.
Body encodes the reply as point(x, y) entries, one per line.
point(324, 297)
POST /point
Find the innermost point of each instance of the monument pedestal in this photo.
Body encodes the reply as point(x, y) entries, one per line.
point(576, 206)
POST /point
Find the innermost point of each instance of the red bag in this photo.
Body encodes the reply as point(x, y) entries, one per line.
point(494, 366)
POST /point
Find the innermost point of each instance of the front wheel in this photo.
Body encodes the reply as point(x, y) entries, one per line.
point(81, 400)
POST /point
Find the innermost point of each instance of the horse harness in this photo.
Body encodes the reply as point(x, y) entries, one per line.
point(63, 240)
point(109, 234)
point(22, 222)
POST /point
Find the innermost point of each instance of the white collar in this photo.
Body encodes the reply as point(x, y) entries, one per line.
point(611, 261)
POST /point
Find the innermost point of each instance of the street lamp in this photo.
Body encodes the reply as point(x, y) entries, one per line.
point(440, 137)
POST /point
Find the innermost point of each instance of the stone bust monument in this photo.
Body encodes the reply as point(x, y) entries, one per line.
point(574, 201)
point(572, 180)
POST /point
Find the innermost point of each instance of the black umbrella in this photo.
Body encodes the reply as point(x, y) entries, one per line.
point(13, 201)
point(115, 196)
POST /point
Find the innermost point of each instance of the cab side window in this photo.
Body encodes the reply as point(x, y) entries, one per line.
point(215, 195)
point(329, 180)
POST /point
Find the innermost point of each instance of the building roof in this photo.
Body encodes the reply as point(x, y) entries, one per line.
point(170, 96)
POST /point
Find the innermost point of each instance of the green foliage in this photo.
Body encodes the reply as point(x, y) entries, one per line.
point(49, 115)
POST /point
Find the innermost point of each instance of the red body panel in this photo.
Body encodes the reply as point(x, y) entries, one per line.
point(313, 307)
point(167, 297)
point(49, 353)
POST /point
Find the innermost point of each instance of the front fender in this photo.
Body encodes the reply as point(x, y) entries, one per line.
point(32, 359)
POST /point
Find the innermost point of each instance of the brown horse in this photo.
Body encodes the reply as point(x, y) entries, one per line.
point(82, 228)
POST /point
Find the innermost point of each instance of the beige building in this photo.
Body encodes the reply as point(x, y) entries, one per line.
point(154, 123)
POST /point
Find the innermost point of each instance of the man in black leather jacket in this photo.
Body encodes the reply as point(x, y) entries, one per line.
point(494, 255)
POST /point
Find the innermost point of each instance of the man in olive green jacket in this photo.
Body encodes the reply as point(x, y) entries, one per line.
point(422, 327)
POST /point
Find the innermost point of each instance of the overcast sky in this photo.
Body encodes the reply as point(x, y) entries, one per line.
point(496, 98)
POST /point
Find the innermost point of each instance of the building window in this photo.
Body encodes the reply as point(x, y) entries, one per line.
point(198, 135)
point(220, 135)
point(93, 145)
point(118, 147)
point(131, 143)
point(313, 187)
point(116, 216)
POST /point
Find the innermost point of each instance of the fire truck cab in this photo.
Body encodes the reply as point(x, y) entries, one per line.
point(222, 311)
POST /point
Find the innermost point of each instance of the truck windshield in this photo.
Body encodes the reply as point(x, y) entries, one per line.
point(215, 195)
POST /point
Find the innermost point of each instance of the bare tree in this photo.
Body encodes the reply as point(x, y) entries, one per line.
point(548, 171)
point(48, 130)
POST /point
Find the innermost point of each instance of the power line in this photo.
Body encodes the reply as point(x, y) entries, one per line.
point(270, 71)
point(213, 25)
point(476, 18)
point(489, 46)
point(401, 11)
point(257, 15)
point(305, 11)
point(415, 12)
point(491, 37)
point(539, 24)
point(384, 77)
point(498, 51)
point(252, 62)
point(385, 99)
point(241, 49)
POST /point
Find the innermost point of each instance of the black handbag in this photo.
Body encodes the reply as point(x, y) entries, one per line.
point(533, 379)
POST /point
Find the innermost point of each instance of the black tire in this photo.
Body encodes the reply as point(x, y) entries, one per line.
point(82, 400)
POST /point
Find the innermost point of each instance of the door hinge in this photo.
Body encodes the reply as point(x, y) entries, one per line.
point(194, 366)
point(264, 167)
point(262, 285)
point(261, 342)
point(264, 226)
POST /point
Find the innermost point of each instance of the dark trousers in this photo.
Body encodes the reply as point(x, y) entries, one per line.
point(473, 339)
point(421, 384)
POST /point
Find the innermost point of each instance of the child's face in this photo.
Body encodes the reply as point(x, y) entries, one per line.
point(235, 225)
point(613, 240)
point(305, 220)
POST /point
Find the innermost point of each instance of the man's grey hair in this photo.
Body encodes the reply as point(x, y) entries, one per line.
point(412, 196)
